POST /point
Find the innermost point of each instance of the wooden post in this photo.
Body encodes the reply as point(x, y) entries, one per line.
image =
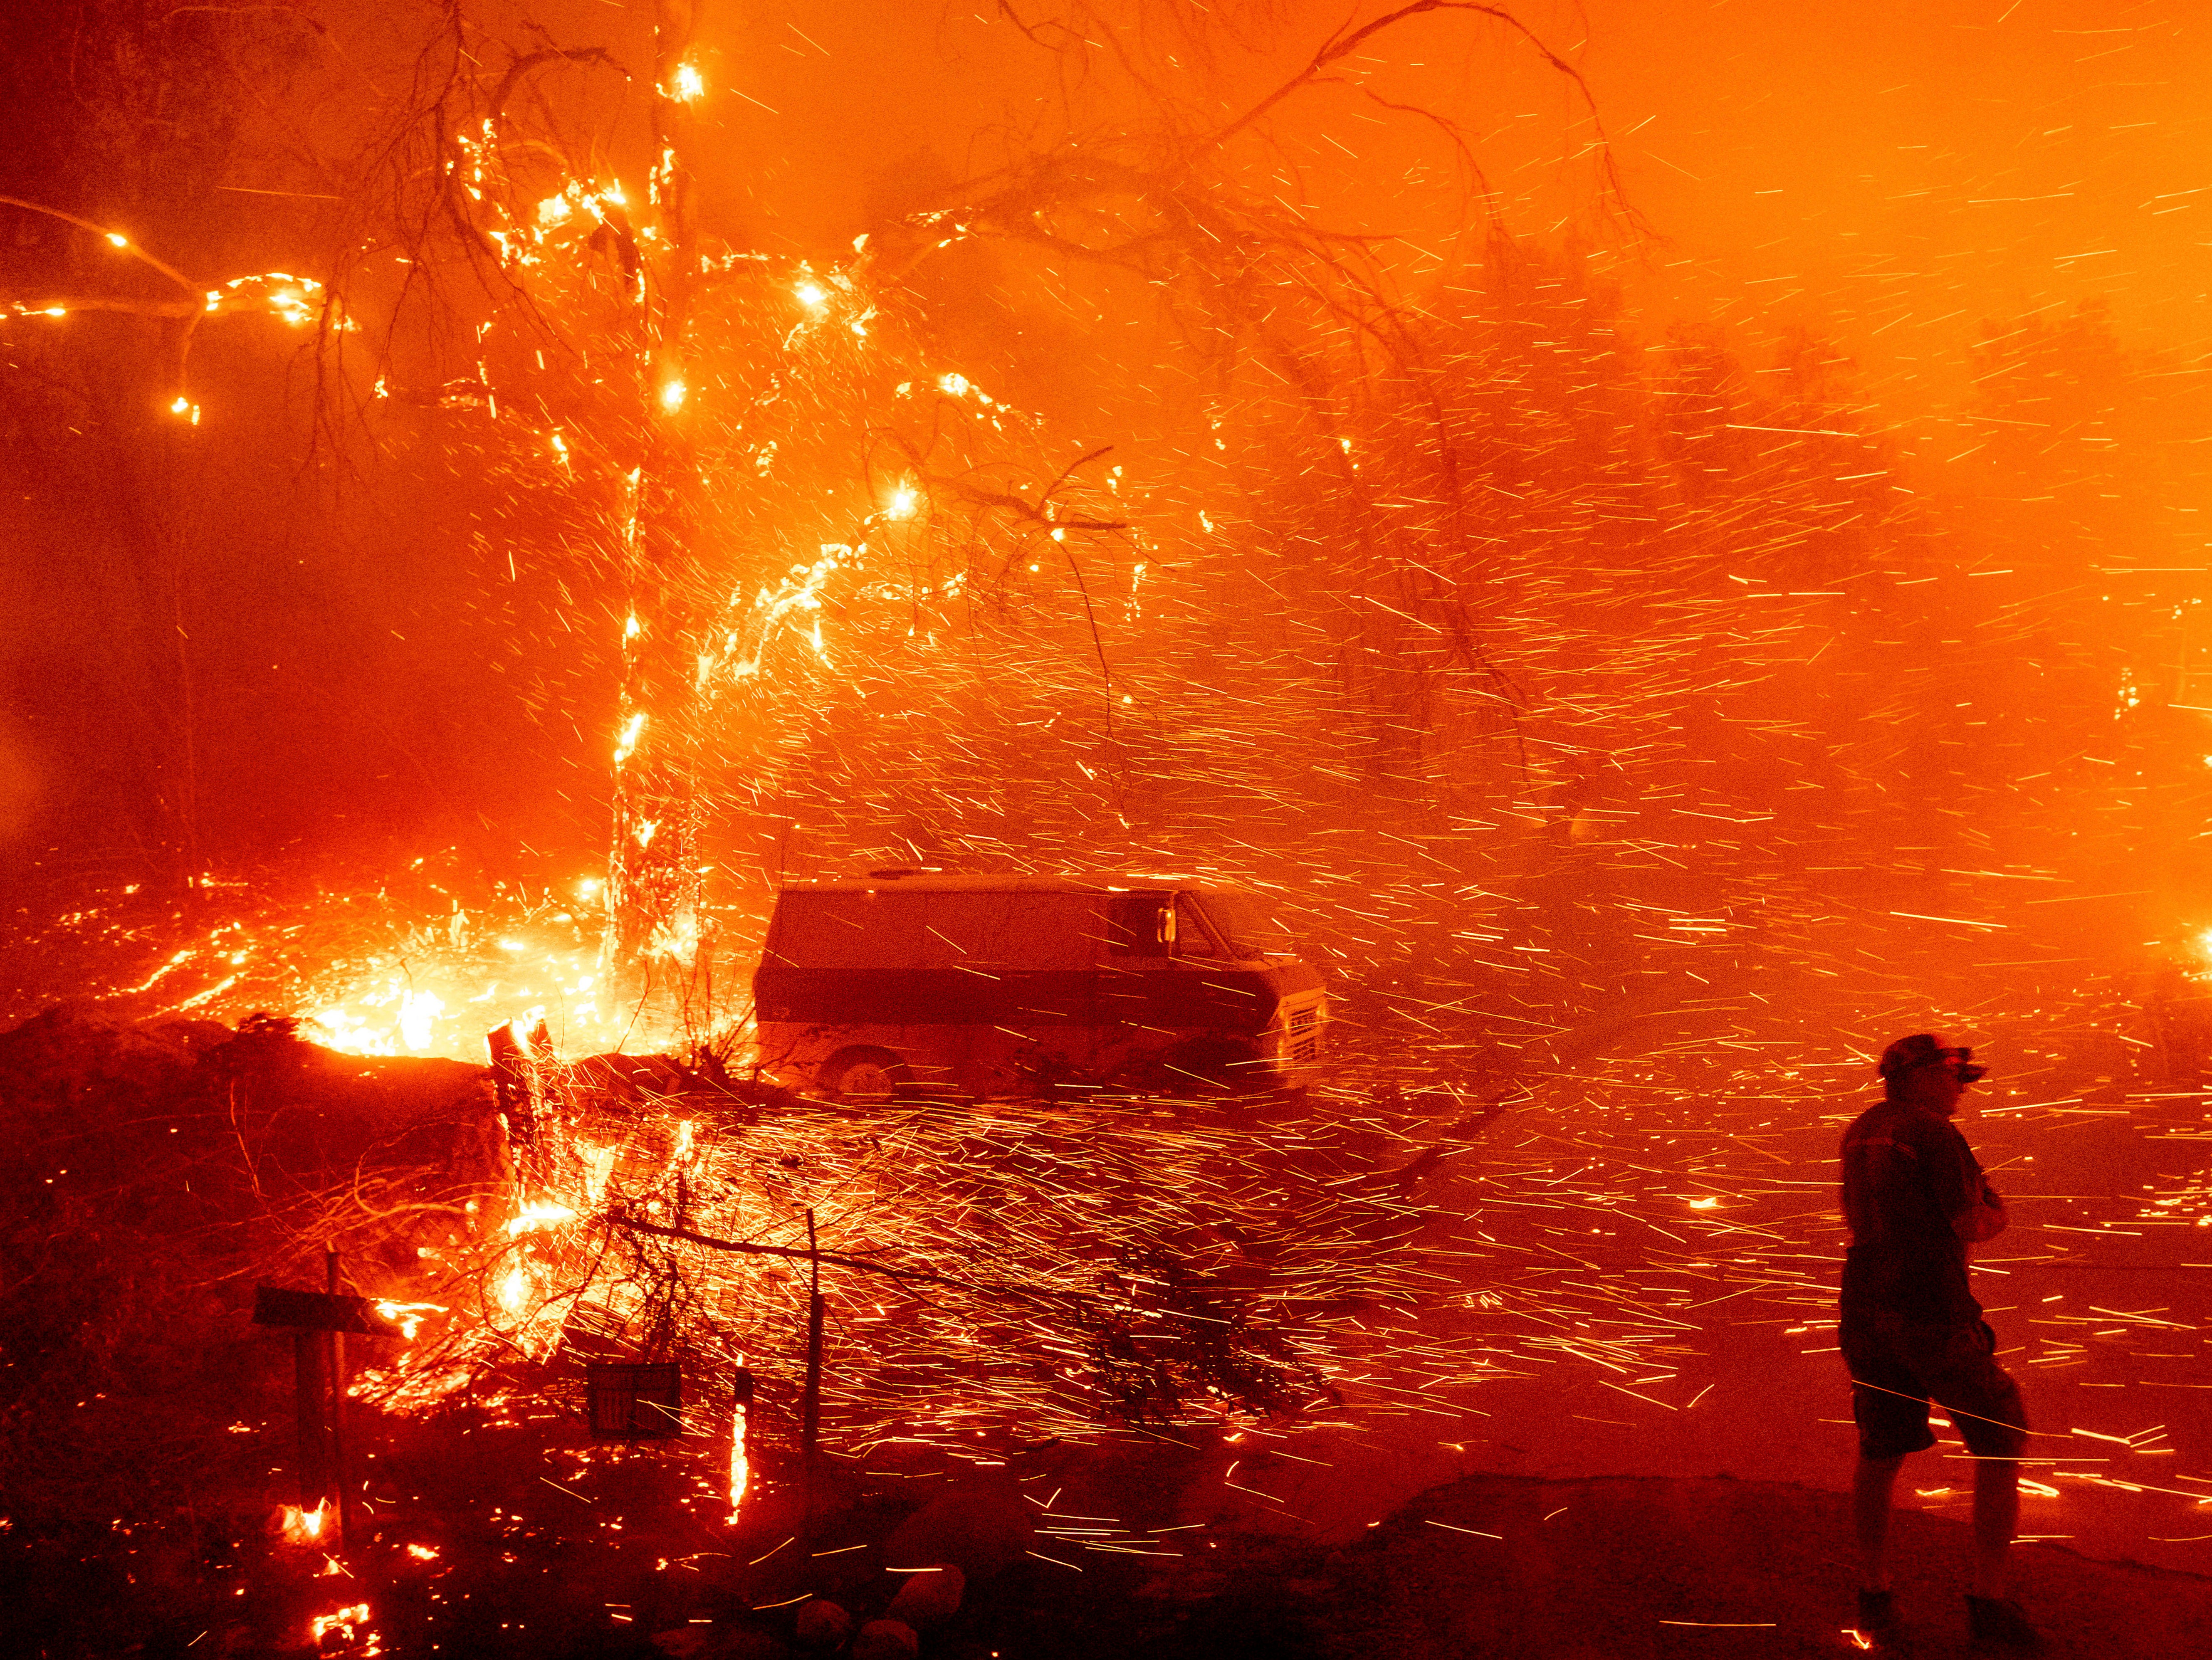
point(810, 1423)
point(312, 1396)
point(315, 1318)
point(809, 1408)
point(338, 1385)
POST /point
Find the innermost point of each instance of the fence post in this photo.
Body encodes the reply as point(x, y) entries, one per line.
point(338, 1406)
point(311, 1394)
point(809, 1408)
point(810, 1426)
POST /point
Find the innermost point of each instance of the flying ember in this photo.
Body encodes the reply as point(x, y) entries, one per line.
point(1147, 829)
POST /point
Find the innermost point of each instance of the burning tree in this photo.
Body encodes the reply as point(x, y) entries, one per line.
point(786, 537)
point(694, 400)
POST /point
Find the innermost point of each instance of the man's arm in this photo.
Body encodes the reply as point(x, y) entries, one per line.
point(1962, 1192)
point(1983, 1218)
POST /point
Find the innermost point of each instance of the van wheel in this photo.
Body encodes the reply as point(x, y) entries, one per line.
point(861, 1075)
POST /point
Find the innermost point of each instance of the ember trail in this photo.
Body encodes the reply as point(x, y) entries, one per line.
point(1075, 829)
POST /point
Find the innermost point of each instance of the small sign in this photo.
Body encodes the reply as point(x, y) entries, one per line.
point(635, 1402)
point(321, 1311)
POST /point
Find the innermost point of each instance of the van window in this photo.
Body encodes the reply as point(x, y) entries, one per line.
point(1013, 931)
point(1246, 923)
point(847, 931)
point(1138, 925)
point(1038, 932)
point(1193, 938)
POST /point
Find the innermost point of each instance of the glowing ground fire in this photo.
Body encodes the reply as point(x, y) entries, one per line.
point(1658, 626)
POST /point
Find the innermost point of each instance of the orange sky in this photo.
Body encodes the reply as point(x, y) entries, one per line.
point(1889, 170)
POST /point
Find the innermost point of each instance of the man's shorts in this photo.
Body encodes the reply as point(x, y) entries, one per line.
point(1899, 1366)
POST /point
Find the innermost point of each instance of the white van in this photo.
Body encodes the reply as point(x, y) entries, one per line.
point(1011, 985)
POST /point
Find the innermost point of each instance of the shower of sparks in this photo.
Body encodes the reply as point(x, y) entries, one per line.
point(1600, 770)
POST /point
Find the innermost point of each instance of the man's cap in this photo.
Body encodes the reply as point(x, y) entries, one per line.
point(1923, 1049)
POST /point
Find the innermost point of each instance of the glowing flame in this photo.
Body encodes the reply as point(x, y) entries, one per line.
point(514, 1290)
point(418, 1011)
point(304, 1527)
point(741, 1472)
point(631, 728)
point(423, 1553)
point(408, 1316)
point(536, 1214)
point(119, 241)
point(342, 1620)
point(672, 394)
point(599, 1165)
point(812, 295)
point(678, 937)
point(904, 501)
point(800, 591)
point(688, 85)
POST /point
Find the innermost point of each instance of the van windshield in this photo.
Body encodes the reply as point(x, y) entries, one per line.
point(1246, 923)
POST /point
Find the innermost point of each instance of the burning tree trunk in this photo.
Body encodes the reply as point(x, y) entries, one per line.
point(657, 948)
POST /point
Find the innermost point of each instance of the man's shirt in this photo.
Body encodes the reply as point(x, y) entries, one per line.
point(1906, 1173)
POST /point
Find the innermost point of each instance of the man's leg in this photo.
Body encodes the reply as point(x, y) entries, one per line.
point(1996, 1517)
point(1984, 1404)
point(1871, 1485)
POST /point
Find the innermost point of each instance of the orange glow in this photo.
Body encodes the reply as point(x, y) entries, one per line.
point(740, 1461)
point(304, 1527)
point(408, 1316)
point(536, 1214)
point(341, 1620)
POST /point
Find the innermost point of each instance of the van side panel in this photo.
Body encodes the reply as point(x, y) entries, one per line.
point(921, 997)
point(1213, 997)
point(986, 991)
point(994, 992)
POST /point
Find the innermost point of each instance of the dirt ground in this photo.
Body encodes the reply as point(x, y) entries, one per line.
point(1623, 1569)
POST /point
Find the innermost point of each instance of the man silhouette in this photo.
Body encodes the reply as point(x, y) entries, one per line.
point(1911, 1331)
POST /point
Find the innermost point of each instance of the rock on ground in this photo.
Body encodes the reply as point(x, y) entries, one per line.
point(823, 1625)
point(886, 1639)
point(928, 1598)
point(982, 1529)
